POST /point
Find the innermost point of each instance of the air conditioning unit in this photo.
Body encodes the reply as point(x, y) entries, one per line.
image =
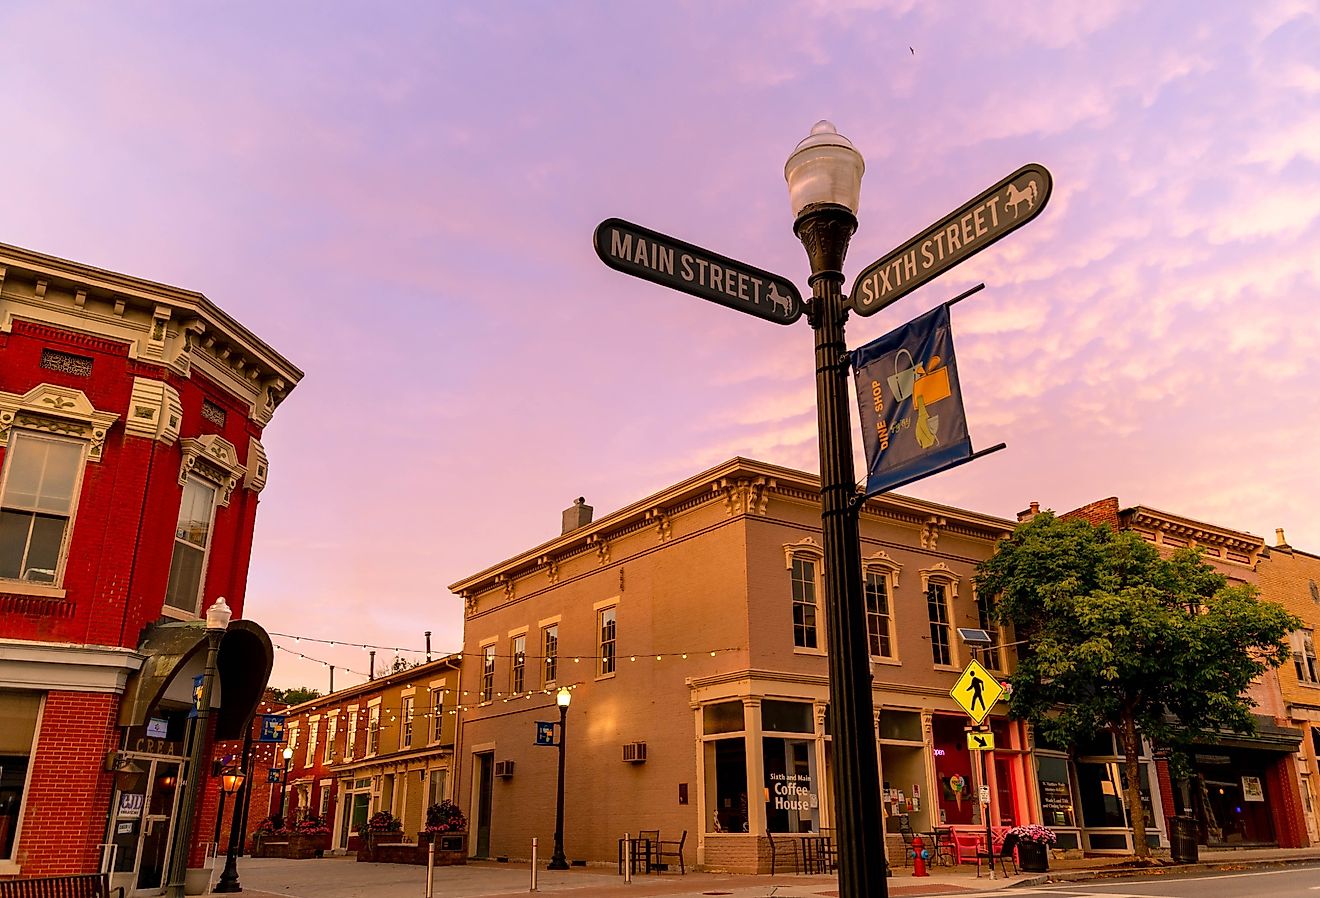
point(504, 769)
point(634, 752)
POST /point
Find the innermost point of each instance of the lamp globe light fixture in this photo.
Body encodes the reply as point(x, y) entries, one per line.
point(557, 861)
point(824, 175)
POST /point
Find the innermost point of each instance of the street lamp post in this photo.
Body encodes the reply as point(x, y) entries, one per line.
point(217, 621)
point(824, 175)
point(284, 782)
point(558, 861)
point(231, 781)
point(229, 878)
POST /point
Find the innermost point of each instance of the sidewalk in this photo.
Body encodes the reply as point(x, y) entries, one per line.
point(344, 877)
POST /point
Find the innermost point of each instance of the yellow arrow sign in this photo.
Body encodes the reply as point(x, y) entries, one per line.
point(976, 691)
point(980, 741)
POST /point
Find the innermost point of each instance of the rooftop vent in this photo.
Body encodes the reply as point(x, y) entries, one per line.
point(577, 516)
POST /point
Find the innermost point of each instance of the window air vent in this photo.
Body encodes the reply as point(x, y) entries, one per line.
point(634, 752)
point(504, 769)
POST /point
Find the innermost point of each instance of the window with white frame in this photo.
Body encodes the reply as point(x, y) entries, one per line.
point(518, 670)
point(879, 632)
point(350, 737)
point(607, 627)
point(373, 730)
point(313, 731)
point(437, 710)
point(331, 731)
point(1303, 653)
point(487, 673)
point(435, 792)
point(37, 503)
point(937, 609)
point(804, 603)
point(405, 737)
point(550, 654)
point(192, 542)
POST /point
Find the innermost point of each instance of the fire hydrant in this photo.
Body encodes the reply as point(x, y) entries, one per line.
point(918, 857)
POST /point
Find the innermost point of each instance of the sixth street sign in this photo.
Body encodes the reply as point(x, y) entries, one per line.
point(672, 263)
point(996, 213)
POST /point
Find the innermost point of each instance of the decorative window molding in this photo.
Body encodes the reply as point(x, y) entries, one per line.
point(940, 573)
point(882, 562)
point(154, 411)
point(58, 410)
point(807, 548)
point(258, 466)
point(214, 458)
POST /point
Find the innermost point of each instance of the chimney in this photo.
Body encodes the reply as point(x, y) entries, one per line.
point(577, 516)
point(1279, 541)
point(1028, 514)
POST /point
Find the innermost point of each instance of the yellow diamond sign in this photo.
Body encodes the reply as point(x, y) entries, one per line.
point(976, 691)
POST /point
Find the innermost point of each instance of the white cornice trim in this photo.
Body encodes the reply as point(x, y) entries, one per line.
point(67, 667)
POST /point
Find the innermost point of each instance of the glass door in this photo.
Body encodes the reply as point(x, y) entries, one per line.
point(143, 825)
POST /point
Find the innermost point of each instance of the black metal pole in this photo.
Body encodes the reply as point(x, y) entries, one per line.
point(558, 861)
point(247, 795)
point(825, 229)
point(229, 878)
point(284, 787)
point(183, 831)
point(219, 816)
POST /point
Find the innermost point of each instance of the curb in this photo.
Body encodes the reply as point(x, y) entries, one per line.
point(1137, 872)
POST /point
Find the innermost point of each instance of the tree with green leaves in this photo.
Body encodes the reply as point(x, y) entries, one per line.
point(296, 695)
point(1117, 638)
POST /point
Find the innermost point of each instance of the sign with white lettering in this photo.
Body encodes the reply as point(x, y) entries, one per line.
point(996, 213)
point(672, 263)
point(792, 792)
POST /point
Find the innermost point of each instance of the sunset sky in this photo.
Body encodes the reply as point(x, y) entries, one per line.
point(400, 199)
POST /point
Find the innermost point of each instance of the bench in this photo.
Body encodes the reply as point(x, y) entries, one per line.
point(85, 885)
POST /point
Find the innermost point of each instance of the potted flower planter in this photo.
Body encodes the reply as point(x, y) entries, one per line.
point(1033, 857)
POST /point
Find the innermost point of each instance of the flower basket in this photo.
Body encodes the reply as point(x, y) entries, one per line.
point(1033, 846)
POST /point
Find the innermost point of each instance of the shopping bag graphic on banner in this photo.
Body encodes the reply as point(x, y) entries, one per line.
point(911, 410)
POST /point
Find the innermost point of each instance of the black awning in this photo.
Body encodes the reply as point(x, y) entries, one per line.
point(243, 663)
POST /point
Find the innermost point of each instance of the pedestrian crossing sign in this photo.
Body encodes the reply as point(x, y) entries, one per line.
point(976, 691)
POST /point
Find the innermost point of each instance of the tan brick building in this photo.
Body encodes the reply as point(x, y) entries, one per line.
point(1291, 577)
point(690, 628)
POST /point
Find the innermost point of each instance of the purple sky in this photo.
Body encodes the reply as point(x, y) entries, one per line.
point(402, 202)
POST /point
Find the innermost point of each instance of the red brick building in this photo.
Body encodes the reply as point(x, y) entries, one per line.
point(131, 464)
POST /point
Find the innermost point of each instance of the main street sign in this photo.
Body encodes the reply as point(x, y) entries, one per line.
point(996, 213)
point(672, 263)
point(976, 691)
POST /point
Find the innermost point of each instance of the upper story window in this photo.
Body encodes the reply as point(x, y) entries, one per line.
point(518, 671)
point(192, 542)
point(373, 730)
point(880, 578)
point(487, 672)
point(313, 730)
point(350, 737)
point(804, 562)
point(405, 737)
point(331, 731)
point(37, 504)
point(941, 589)
point(437, 709)
point(606, 619)
point(550, 651)
point(937, 609)
point(1303, 653)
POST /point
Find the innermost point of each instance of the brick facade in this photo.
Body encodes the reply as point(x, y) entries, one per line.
point(121, 369)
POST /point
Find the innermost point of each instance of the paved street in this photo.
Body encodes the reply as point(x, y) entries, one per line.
point(1298, 881)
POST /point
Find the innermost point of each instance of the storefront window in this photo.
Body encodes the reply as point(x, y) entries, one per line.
point(726, 785)
point(724, 717)
point(1056, 799)
point(18, 725)
point(1101, 795)
point(791, 785)
point(953, 769)
point(784, 717)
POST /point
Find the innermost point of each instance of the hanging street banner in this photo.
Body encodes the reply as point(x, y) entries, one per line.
point(545, 732)
point(910, 404)
point(996, 213)
point(272, 728)
point(681, 266)
point(976, 692)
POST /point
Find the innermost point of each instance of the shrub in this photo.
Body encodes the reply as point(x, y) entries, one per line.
point(445, 817)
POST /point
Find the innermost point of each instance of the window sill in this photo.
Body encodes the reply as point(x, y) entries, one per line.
point(892, 662)
point(177, 613)
point(24, 588)
point(607, 676)
point(10, 868)
point(802, 650)
point(948, 667)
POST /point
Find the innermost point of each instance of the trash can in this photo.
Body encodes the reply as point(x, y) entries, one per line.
point(1182, 840)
